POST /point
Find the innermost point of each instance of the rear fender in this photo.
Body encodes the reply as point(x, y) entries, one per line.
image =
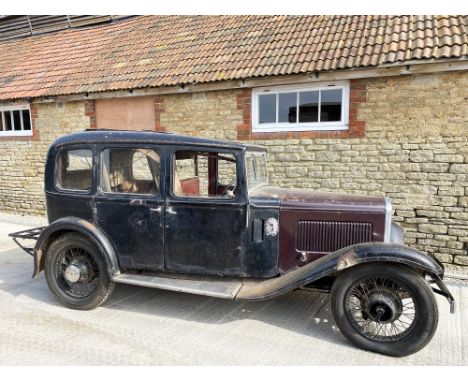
point(84, 227)
point(339, 261)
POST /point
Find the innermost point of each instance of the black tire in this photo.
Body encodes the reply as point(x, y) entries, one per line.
point(94, 285)
point(369, 308)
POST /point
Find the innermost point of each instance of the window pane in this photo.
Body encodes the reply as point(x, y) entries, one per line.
point(140, 166)
point(75, 170)
point(308, 106)
point(267, 108)
point(250, 168)
point(1, 120)
point(8, 125)
point(130, 171)
point(287, 106)
point(204, 174)
point(26, 120)
point(260, 167)
point(190, 174)
point(17, 119)
point(227, 176)
point(330, 105)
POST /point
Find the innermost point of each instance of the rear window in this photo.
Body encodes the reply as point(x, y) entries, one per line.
point(75, 170)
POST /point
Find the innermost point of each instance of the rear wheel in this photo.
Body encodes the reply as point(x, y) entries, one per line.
point(387, 309)
point(76, 272)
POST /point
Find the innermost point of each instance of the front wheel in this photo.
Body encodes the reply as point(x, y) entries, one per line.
point(76, 272)
point(387, 309)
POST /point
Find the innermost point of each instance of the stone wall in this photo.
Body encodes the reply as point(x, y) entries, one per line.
point(22, 159)
point(208, 115)
point(411, 144)
point(415, 150)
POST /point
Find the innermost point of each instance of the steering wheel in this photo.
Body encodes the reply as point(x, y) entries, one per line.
point(230, 184)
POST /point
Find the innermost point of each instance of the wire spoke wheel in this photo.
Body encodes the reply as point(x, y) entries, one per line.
point(385, 308)
point(380, 308)
point(76, 272)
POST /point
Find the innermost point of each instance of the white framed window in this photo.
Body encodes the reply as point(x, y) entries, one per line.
point(15, 120)
point(321, 106)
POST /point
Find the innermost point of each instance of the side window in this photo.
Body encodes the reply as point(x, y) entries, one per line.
point(204, 174)
point(130, 171)
point(75, 170)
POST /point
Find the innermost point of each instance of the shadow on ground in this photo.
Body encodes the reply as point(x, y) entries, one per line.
point(303, 312)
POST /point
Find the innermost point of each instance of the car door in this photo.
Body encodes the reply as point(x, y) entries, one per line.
point(70, 184)
point(205, 214)
point(130, 205)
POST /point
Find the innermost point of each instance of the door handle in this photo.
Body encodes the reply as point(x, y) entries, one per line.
point(171, 211)
point(137, 202)
point(156, 209)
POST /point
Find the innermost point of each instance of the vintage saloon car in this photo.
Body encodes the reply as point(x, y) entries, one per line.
point(197, 215)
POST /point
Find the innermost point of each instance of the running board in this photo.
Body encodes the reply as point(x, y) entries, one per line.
point(215, 288)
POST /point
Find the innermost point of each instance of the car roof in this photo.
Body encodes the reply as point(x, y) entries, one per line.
point(97, 136)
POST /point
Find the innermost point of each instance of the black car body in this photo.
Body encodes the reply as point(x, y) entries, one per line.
point(197, 215)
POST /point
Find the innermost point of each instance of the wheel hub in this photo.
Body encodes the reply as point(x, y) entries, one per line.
point(384, 307)
point(73, 273)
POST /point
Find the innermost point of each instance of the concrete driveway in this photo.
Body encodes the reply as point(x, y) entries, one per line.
point(139, 326)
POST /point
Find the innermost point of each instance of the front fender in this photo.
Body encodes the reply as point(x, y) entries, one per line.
point(74, 224)
point(386, 252)
point(338, 261)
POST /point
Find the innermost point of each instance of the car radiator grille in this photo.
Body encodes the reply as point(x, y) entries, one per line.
point(320, 236)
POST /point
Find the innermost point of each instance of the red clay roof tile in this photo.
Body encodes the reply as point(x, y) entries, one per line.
point(153, 51)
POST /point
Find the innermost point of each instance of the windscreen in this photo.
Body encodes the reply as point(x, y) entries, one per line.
point(256, 168)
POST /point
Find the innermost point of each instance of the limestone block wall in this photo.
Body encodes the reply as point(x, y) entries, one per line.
point(415, 150)
point(409, 141)
point(22, 159)
point(209, 115)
